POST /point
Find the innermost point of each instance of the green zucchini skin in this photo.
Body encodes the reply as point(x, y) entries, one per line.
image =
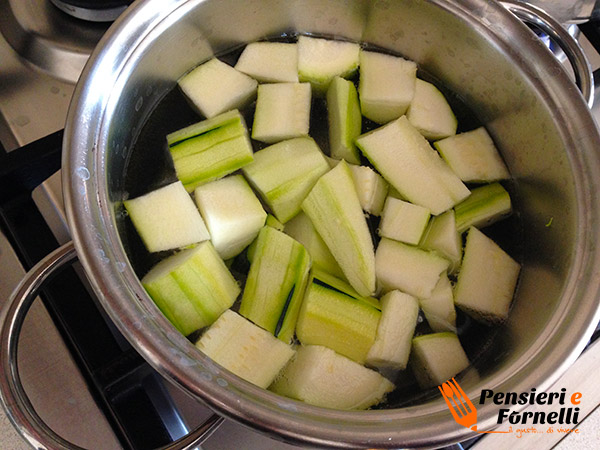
point(338, 321)
point(334, 208)
point(276, 283)
point(192, 288)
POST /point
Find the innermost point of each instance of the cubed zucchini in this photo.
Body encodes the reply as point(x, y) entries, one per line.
point(321, 377)
point(487, 279)
point(215, 87)
point(386, 86)
point(334, 209)
point(270, 62)
point(245, 349)
point(276, 282)
point(282, 112)
point(167, 218)
point(284, 174)
point(192, 288)
point(399, 314)
point(232, 213)
point(333, 319)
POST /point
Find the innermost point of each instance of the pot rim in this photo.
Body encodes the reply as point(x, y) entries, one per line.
point(90, 215)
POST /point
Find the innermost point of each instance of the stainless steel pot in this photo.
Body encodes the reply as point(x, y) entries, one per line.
point(473, 47)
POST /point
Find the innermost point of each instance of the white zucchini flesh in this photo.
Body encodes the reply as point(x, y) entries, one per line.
point(371, 188)
point(334, 209)
point(282, 112)
point(245, 349)
point(436, 358)
point(232, 213)
point(406, 160)
point(487, 279)
point(320, 60)
point(301, 228)
point(407, 268)
point(473, 156)
point(344, 119)
point(319, 376)
point(439, 308)
point(403, 221)
point(386, 86)
point(399, 314)
point(167, 218)
point(270, 62)
point(284, 173)
point(430, 113)
point(215, 87)
point(192, 287)
point(442, 236)
point(486, 205)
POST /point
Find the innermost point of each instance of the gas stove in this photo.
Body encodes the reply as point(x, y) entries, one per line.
point(81, 375)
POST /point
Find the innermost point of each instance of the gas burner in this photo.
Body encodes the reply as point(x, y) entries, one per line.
point(48, 39)
point(93, 10)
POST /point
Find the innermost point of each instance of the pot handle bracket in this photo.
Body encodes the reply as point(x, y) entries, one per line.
point(584, 78)
point(14, 398)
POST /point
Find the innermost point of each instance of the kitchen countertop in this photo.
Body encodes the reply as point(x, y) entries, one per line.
point(49, 369)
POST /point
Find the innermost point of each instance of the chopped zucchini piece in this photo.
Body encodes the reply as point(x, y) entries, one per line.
point(284, 174)
point(442, 236)
point(302, 229)
point(486, 205)
point(406, 160)
point(344, 119)
point(282, 112)
point(331, 318)
point(215, 87)
point(192, 288)
point(334, 209)
point(331, 281)
point(167, 218)
point(386, 86)
point(430, 113)
point(232, 213)
point(439, 308)
point(320, 377)
point(320, 60)
point(270, 222)
point(407, 268)
point(371, 188)
point(273, 222)
point(212, 131)
point(436, 358)
point(403, 221)
point(245, 349)
point(399, 314)
point(211, 149)
point(270, 62)
point(487, 279)
point(276, 282)
point(473, 156)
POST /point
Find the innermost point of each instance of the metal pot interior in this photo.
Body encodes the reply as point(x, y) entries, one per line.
point(473, 49)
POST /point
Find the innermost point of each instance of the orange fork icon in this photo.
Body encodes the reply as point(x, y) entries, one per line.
point(462, 409)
